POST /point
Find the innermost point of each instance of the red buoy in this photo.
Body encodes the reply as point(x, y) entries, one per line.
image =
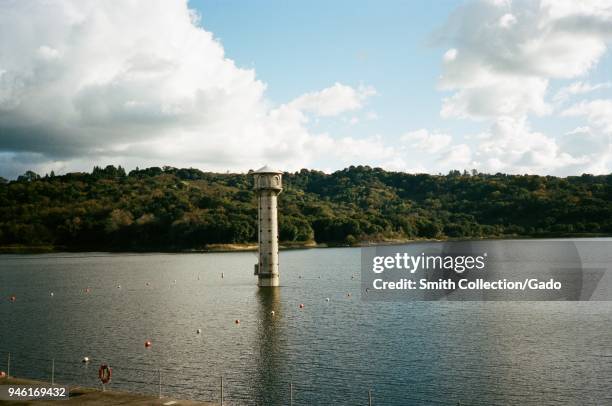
point(301, 305)
point(148, 344)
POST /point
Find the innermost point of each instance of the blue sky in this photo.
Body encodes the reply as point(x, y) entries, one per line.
point(514, 86)
point(299, 46)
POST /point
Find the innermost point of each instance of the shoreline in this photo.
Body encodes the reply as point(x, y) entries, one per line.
point(251, 247)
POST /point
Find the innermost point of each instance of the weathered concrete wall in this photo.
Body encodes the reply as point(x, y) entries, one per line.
point(268, 185)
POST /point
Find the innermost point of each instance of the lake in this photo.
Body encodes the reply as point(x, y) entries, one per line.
point(333, 352)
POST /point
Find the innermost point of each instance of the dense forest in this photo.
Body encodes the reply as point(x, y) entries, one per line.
point(181, 209)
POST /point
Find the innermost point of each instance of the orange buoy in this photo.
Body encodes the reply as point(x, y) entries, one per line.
point(301, 305)
point(148, 343)
point(237, 321)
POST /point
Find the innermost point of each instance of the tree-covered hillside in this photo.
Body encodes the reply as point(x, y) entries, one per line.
point(173, 209)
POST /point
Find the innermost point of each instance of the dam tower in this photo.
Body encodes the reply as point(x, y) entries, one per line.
point(267, 185)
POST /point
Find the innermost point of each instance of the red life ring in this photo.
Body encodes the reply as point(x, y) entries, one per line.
point(104, 373)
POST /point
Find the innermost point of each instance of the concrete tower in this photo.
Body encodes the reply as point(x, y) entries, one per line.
point(268, 185)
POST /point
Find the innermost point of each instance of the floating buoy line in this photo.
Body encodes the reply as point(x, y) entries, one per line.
point(149, 343)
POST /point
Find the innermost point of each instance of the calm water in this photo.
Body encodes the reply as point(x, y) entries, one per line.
point(478, 353)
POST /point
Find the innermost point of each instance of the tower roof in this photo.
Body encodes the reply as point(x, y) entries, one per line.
point(267, 169)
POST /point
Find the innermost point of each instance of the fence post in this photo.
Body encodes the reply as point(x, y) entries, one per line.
point(221, 390)
point(290, 393)
point(159, 372)
point(369, 397)
point(8, 366)
point(53, 371)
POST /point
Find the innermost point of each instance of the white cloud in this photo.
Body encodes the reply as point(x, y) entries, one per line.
point(506, 53)
point(511, 146)
point(450, 55)
point(507, 20)
point(423, 140)
point(597, 112)
point(498, 96)
point(457, 157)
point(579, 87)
point(87, 83)
point(334, 100)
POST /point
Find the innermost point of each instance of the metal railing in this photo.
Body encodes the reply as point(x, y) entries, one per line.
point(155, 380)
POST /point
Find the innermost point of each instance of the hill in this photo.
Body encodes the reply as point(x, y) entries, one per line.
point(180, 209)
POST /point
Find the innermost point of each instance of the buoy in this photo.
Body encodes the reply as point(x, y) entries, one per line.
point(198, 331)
point(2, 374)
point(237, 321)
point(147, 283)
point(272, 312)
point(348, 295)
point(51, 294)
point(13, 298)
point(85, 360)
point(221, 275)
point(118, 286)
point(175, 281)
point(301, 305)
point(87, 290)
point(148, 344)
point(300, 277)
point(327, 299)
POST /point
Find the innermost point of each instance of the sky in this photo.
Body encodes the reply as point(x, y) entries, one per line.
point(228, 85)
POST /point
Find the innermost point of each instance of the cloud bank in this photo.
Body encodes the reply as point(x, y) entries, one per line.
point(502, 58)
point(144, 84)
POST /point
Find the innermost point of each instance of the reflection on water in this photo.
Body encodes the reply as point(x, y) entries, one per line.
point(268, 378)
point(477, 353)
